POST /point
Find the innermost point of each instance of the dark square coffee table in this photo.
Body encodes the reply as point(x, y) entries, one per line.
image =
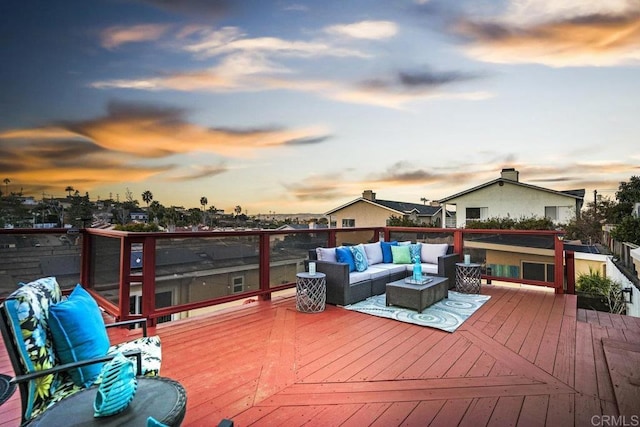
point(417, 297)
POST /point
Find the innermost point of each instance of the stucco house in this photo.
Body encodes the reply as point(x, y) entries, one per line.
point(507, 197)
point(368, 211)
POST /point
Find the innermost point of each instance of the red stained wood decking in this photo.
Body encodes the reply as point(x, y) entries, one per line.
point(527, 357)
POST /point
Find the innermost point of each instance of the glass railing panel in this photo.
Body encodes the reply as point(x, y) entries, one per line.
point(287, 253)
point(422, 236)
point(105, 267)
point(27, 257)
point(513, 257)
point(346, 237)
point(195, 269)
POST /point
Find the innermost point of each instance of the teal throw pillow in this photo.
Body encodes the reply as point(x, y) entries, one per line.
point(359, 257)
point(78, 333)
point(415, 251)
point(387, 258)
point(401, 254)
point(344, 255)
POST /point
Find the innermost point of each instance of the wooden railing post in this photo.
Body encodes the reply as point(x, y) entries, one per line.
point(264, 266)
point(149, 280)
point(125, 278)
point(570, 259)
point(558, 282)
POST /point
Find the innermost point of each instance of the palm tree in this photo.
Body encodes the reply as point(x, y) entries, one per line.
point(6, 183)
point(203, 202)
point(424, 200)
point(237, 210)
point(147, 196)
point(69, 189)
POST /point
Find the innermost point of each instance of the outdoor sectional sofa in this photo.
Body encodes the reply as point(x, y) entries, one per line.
point(346, 285)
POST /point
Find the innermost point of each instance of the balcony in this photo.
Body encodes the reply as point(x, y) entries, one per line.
point(528, 356)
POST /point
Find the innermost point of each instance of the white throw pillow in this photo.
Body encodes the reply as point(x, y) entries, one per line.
point(374, 253)
point(326, 254)
point(429, 252)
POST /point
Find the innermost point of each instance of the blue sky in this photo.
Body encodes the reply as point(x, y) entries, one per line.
point(299, 106)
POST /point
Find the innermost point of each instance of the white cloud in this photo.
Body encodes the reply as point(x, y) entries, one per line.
point(371, 30)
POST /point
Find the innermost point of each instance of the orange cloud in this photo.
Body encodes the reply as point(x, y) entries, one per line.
point(116, 36)
point(597, 39)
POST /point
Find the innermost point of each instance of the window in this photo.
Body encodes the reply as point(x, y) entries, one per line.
point(237, 284)
point(163, 299)
point(538, 271)
point(551, 212)
point(348, 222)
point(477, 213)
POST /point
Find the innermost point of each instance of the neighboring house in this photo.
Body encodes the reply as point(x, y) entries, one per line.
point(507, 197)
point(139, 216)
point(367, 211)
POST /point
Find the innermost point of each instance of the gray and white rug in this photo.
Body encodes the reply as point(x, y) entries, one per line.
point(447, 314)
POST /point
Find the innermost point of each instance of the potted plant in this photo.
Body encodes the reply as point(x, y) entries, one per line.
point(600, 293)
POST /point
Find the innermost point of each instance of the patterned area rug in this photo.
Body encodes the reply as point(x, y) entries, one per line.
point(6, 388)
point(447, 314)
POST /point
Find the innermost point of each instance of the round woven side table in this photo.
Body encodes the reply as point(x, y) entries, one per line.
point(311, 292)
point(468, 278)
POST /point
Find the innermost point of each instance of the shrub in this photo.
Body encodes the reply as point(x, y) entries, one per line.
point(593, 283)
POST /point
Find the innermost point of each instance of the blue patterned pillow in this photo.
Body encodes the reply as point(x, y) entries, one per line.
point(360, 257)
point(344, 255)
point(387, 258)
point(415, 251)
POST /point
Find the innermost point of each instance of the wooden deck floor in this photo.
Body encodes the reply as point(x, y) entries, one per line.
point(527, 357)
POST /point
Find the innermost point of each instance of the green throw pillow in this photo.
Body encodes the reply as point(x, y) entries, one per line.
point(401, 254)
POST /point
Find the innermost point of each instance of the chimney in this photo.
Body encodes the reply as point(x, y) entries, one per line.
point(509, 173)
point(369, 195)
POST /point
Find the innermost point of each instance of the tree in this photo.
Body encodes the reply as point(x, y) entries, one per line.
point(147, 196)
point(588, 227)
point(69, 189)
point(524, 223)
point(628, 193)
point(6, 184)
point(238, 210)
point(627, 230)
point(203, 202)
point(396, 221)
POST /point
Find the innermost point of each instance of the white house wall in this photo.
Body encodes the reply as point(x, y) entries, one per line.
point(514, 201)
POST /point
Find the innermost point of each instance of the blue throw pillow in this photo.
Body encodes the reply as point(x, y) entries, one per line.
point(415, 250)
point(78, 333)
point(359, 257)
point(386, 251)
point(344, 255)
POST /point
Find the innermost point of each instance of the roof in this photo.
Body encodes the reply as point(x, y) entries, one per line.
point(576, 194)
point(402, 208)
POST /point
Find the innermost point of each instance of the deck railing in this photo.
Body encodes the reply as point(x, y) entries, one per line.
point(164, 276)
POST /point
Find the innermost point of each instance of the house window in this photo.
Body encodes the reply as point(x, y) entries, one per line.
point(237, 284)
point(348, 222)
point(476, 213)
point(538, 271)
point(163, 299)
point(551, 212)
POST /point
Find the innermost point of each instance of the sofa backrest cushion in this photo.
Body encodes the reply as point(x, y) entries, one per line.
point(374, 253)
point(359, 257)
point(429, 252)
point(344, 255)
point(387, 257)
point(401, 254)
point(326, 254)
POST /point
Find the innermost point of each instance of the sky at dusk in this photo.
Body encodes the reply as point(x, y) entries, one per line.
point(299, 106)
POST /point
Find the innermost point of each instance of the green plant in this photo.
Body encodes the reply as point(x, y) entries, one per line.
point(593, 283)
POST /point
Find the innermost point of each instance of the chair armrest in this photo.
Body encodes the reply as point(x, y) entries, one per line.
point(142, 321)
point(73, 365)
point(447, 267)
